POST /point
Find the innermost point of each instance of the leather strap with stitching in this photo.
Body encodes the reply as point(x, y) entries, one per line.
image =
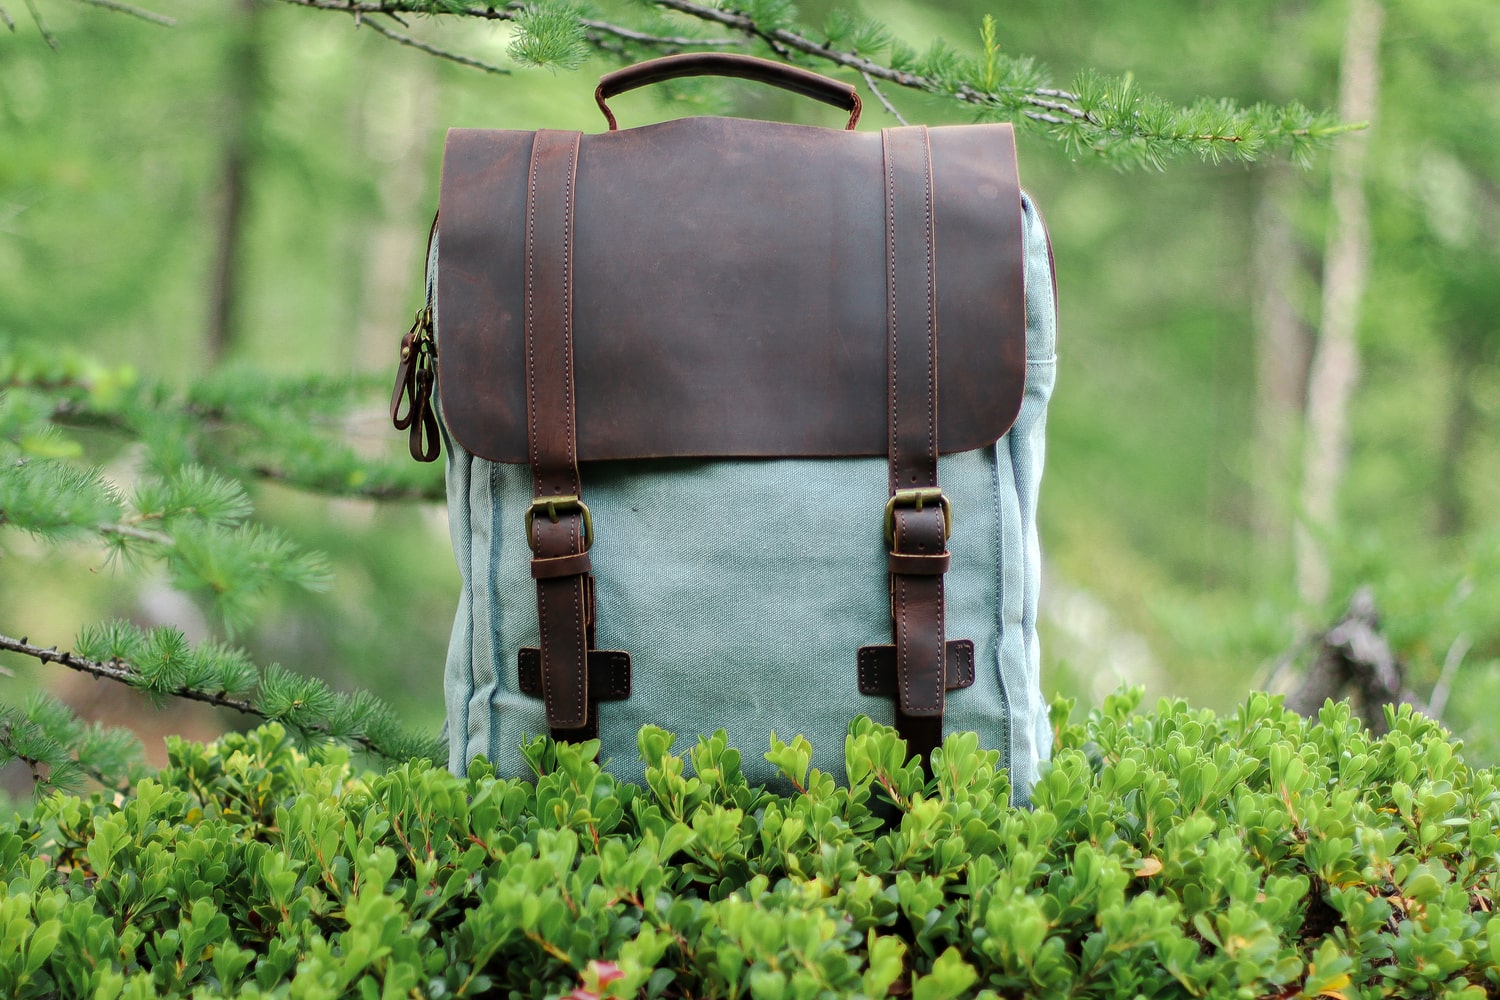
point(561, 564)
point(918, 535)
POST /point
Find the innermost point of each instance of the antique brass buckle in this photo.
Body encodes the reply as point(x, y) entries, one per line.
point(552, 506)
point(916, 499)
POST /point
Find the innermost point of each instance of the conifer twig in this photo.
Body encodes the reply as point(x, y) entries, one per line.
point(431, 50)
point(1051, 100)
point(123, 673)
point(375, 491)
point(884, 101)
point(659, 41)
point(1099, 116)
point(133, 11)
point(33, 763)
point(41, 26)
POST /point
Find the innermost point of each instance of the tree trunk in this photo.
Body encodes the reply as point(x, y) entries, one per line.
point(1335, 364)
point(1452, 508)
point(242, 94)
point(1282, 351)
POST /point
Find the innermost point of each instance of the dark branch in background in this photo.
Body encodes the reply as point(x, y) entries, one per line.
point(1106, 118)
point(124, 673)
point(1103, 117)
point(659, 41)
point(781, 40)
point(41, 26)
point(432, 50)
point(78, 413)
point(133, 11)
point(1354, 657)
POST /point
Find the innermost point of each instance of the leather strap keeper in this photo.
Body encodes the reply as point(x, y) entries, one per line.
point(906, 564)
point(877, 668)
point(609, 673)
point(555, 566)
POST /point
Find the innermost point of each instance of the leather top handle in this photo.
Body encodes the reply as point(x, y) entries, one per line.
point(800, 81)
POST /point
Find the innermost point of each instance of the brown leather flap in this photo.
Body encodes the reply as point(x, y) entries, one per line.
point(729, 290)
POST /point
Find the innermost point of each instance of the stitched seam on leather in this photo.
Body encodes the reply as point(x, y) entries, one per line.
point(904, 676)
point(932, 455)
point(575, 591)
point(890, 258)
point(531, 445)
point(567, 330)
point(931, 458)
point(575, 594)
point(866, 671)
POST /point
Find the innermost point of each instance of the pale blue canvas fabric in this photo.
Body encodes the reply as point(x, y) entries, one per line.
point(743, 590)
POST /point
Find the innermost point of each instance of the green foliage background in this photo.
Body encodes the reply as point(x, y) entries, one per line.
point(110, 156)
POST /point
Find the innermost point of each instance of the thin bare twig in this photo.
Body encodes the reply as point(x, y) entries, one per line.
point(1444, 685)
point(41, 25)
point(5, 19)
point(884, 102)
point(431, 50)
point(135, 534)
point(133, 11)
point(663, 41)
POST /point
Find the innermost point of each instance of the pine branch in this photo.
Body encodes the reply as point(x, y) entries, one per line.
point(164, 665)
point(884, 101)
point(1103, 118)
point(244, 426)
point(60, 751)
point(11, 748)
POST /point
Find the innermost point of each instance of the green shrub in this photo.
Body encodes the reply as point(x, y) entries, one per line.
point(1168, 854)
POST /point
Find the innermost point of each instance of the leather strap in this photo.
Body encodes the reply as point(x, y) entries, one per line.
point(919, 535)
point(877, 668)
point(557, 533)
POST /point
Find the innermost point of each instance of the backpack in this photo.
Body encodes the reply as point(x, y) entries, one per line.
point(687, 379)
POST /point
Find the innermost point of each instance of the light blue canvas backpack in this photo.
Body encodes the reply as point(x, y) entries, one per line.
point(693, 383)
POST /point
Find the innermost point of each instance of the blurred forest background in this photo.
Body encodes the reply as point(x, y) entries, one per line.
point(250, 191)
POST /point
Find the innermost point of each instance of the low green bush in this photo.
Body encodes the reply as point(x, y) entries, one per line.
point(1167, 854)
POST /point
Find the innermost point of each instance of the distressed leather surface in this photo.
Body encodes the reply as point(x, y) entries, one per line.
point(730, 291)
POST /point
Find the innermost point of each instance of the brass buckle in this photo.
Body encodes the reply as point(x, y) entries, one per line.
point(551, 506)
point(916, 499)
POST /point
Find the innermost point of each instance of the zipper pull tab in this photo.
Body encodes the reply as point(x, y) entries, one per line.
point(415, 375)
